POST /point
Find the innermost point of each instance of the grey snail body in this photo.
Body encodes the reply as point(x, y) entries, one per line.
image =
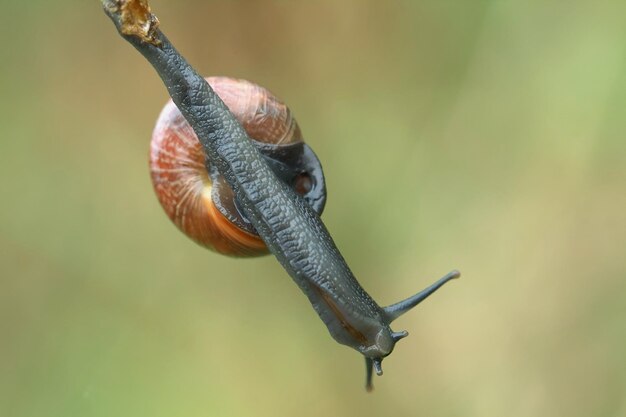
point(284, 220)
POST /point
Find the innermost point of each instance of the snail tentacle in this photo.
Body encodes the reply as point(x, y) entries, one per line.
point(396, 310)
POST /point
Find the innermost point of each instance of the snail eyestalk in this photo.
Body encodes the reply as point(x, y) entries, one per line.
point(396, 310)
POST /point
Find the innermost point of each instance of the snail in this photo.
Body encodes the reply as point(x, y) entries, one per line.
point(194, 194)
point(286, 222)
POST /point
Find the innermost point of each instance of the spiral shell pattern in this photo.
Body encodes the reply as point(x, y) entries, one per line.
point(179, 174)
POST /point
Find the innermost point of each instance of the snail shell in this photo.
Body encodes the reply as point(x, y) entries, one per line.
point(195, 196)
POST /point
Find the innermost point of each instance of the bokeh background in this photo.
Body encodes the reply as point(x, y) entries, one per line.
point(487, 136)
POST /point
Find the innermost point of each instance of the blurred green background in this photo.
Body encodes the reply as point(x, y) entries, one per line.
point(487, 136)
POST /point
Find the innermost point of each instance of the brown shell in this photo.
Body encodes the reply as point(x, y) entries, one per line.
point(178, 171)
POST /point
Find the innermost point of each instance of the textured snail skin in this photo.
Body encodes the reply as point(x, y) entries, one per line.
point(292, 231)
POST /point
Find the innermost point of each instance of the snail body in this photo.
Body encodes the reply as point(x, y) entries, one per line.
point(284, 221)
point(263, 187)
